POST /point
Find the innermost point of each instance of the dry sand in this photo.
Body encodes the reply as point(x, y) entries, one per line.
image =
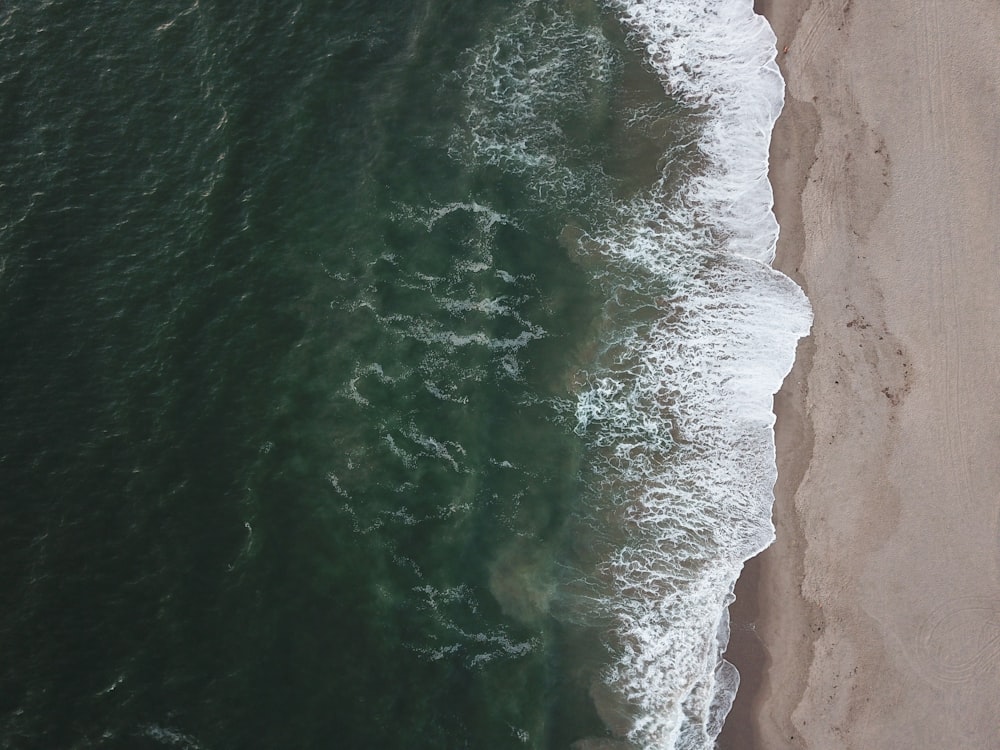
point(879, 603)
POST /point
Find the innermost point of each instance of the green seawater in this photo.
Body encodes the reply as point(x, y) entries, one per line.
point(289, 322)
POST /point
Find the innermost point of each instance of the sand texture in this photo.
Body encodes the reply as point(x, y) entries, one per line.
point(879, 603)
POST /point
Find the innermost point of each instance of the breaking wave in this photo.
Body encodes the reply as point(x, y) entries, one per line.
point(698, 335)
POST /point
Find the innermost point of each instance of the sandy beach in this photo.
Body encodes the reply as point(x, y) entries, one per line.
point(876, 613)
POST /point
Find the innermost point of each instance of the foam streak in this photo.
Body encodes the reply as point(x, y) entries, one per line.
point(678, 411)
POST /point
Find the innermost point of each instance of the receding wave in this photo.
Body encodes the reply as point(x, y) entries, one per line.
point(677, 408)
point(720, 56)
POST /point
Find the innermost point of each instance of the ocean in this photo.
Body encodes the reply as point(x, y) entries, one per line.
point(383, 375)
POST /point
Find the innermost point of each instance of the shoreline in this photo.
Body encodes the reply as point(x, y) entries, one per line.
point(873, 620)
point(790, 158)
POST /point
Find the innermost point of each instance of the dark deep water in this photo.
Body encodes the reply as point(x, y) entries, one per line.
point(284, 311)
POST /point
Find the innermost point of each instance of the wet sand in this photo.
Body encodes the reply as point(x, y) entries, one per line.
point(876, 613)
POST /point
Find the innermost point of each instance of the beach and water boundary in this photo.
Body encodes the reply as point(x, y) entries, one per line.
point(327, 357)
point(872, 619)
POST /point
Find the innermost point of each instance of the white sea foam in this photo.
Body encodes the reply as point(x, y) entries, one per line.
point(464, 308)
point(437, 449)
point(445, 395)
point(678, 408)
point(720, 55)
point(541, 66)
point(479, 648)
point(170, 737)
point(682, 431)
point(485, 215)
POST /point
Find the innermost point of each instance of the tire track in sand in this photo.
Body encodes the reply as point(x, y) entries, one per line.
point(946, 311)
point(961, 639)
